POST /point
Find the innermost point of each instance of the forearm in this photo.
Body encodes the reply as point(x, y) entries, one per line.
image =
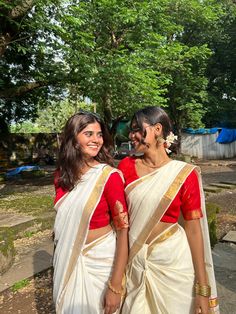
point(121, 258)
point(195, 239)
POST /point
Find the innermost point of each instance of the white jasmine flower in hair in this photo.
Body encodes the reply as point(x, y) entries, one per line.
point(170, 139)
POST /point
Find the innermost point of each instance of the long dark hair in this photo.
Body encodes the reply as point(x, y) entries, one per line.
point(71, 158)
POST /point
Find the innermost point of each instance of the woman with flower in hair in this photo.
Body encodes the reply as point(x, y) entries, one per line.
point(170, 268)
point(91, 226)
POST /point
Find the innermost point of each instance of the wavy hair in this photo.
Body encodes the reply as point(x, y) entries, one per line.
point(71, 158)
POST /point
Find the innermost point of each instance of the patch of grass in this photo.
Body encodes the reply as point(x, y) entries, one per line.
point(20, 284)
point(35, 205)
point(28, 234)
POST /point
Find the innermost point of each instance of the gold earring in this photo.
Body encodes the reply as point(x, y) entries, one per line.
point(159, 139)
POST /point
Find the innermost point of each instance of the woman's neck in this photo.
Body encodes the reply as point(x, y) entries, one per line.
point(155, 158)
point(88, 163)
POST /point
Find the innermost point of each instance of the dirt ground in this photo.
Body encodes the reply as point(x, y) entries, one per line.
point(36, 296)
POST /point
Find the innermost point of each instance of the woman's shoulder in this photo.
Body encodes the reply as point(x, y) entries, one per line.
point(127, 161)
point(183, 164)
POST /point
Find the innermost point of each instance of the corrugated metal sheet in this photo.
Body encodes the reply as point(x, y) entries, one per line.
point(204, 146)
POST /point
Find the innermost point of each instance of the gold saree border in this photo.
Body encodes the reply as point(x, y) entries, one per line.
point(193, 214)
point(161, 209)
point(133, 185)
point(81, 233)
point(91, 245)
point(162, 237)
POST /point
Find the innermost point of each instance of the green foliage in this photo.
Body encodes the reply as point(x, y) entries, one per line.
point(122, 55)
point(52, 118)
point(24, 127)
point(27, 56)
point(212, 209)
point(28, 234)
point(20, 284)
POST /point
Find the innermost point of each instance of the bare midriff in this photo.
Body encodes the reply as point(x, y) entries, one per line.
point(158, 229)
point(97, 233)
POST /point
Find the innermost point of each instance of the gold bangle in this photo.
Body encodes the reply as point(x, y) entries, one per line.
point(204, 291)
point(121, 292)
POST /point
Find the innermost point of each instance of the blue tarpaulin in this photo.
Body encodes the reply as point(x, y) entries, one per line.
point(226, 136)
point(200, 131)
point(18, 170)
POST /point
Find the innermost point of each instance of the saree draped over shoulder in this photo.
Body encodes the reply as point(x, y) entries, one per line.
point(160, 275)
point(81, 270)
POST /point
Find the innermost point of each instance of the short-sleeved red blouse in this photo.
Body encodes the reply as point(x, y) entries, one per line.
point(187, 200)
point(112, 205)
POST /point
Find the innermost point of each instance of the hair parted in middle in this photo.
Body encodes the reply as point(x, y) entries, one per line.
point(71, 158)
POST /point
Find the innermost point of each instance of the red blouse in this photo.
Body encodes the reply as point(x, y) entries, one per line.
point(187, 200)
point(112, 205)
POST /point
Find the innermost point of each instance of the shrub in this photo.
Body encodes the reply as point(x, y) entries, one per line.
point(212, 209)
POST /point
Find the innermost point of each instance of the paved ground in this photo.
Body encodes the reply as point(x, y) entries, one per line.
point(224, 256)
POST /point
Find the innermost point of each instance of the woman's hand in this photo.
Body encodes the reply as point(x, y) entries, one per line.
point(111, 302)
point(201, 305)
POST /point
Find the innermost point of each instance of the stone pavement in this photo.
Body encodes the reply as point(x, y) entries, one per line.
point(224, 256)
point(39, 258)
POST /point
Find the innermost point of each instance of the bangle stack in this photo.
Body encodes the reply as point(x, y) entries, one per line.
point(121, 291)
point(204, 291)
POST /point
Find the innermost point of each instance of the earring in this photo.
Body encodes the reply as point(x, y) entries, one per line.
point(159, 139)
point(77, 146)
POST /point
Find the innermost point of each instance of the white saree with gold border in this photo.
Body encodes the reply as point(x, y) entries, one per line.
point(81, 271)
point(160, 275)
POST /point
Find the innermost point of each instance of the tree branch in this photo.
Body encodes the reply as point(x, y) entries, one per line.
point(21, 9)
point(21, 90)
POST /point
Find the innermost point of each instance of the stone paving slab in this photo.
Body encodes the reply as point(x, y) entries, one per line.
point(223, 185)
point(230, 237)
point(224, 257)
point(37, 260)
point(211, 189)
point(11, 220)
point(228, 182)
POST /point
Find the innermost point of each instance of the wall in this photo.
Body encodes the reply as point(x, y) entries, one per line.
point(17, 149)
point(204, 146)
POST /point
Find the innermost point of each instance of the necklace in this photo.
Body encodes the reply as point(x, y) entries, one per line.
point(154, 167)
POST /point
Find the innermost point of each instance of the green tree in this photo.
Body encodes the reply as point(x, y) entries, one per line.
point(120, 54)
point(221, 71)
point(127, 54)
point(27, 57)
point(52, 118)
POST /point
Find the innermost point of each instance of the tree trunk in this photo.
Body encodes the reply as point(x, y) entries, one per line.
point(107, 110)
point(16, 13)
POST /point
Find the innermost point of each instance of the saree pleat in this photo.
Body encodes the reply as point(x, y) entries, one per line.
point(164, 278)
point(160, 275)
point(75, 287)
point(85, 291)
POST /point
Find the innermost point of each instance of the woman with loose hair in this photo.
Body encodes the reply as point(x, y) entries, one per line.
point(91, 245)
point(170, 269)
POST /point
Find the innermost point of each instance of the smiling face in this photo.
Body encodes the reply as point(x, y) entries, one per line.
point(142, 138)
point(90, 140)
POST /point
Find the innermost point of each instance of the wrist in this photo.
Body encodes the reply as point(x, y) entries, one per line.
point(203, 290)
point(117, 289)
